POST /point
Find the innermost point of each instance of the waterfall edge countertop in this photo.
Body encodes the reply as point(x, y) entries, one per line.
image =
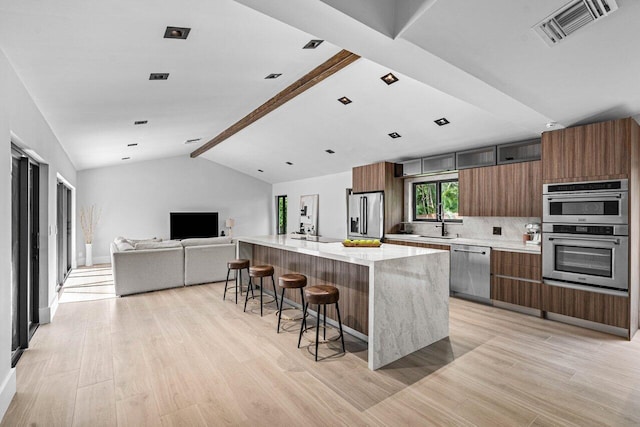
point(404, 289)
point(354, 255)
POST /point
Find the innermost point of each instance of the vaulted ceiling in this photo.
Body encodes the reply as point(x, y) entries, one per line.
point(479, 64)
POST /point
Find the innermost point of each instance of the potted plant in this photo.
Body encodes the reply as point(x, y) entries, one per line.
point(89, 218)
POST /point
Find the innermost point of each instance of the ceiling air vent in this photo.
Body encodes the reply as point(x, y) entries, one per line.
point(571, 17)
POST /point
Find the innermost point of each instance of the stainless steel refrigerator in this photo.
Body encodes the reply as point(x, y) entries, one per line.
point(365, 216)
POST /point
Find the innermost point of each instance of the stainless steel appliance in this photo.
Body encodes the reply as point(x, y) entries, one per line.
point(365, 216)
point(533, 230)
point(592, 257)
point(471, 271)
point(596, 202)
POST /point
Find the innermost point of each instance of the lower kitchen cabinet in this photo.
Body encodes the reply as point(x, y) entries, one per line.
point(516, 278)
point(418, 244)
point(593, 306)
point(518, 292)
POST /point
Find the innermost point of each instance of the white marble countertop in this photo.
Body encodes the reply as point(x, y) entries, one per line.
point(354, 255)
point(498, 245)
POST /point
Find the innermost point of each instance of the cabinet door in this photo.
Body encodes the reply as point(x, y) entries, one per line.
point(518, 292)
point(596, 307)
point(516, 264)
point(505, 190)
point(418, 244)
point(591, 152)
point(368, 178)
point(412, 167)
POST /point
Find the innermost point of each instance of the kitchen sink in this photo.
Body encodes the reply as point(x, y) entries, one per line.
point(439, 237)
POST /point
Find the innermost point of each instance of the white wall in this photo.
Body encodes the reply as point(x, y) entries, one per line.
point(136, 199)
point(22, 122)
point(332, 202)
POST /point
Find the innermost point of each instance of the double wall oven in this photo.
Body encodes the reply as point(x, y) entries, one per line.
point(586, 235)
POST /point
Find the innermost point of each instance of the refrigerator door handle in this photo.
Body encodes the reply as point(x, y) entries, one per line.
point(365, 212)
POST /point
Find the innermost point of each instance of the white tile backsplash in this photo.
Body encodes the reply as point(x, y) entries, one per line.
point(479, 227)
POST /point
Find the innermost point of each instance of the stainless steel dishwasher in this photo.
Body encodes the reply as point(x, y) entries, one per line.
point(471, 271)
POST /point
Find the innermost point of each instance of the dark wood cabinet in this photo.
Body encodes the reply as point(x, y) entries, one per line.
point(601, 308)
point(516, 278)
point(418, 244)
point(382, 177)
point(505, 190)
point(592, 152)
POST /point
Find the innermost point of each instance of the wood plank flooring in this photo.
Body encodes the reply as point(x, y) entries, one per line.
point(185, 357)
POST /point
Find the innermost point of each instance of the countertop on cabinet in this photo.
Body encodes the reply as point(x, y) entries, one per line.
point(495, 244)
point(354, 255)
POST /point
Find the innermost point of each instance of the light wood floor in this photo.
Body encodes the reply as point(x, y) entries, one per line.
point(185, 357)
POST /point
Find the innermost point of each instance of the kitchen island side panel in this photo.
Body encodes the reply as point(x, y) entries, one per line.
point(352, 280)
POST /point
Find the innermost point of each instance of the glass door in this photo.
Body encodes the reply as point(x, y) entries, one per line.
point(64, 232)
point(25, 214)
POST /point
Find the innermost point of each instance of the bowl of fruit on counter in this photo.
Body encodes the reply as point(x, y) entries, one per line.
point(361, 243)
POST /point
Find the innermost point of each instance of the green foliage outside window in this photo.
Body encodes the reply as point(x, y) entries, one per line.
point(428, 196)
point(282, 214)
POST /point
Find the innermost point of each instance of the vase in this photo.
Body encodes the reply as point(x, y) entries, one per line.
point(88, 247)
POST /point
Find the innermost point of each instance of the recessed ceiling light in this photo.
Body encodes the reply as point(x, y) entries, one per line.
point(158, 76)
point(289, 163)
point(313, 44)
point(273, 76)
point(132, 144)
point(330, 151)
point(140, 122)
point(176, 33)
point(551, 125)
point(126, 158)
point(344, 100)
point(191, 141)
point(260, 170)
point(389, 78)
point(441, 122)
point(394, 135)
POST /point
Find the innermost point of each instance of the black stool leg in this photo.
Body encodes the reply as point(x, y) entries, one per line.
point(275, 293)
point(304, 316)
point(246, 297)
point(317, 329)
point(225, 285)
point(261, 297)
point(250, 284)
point(237, 271)
point(280, 313)
point(340, 325)
point(324, 320)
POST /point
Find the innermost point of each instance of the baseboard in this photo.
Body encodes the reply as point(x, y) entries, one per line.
point(96, 260)
point(47, 313)
point(7, 391)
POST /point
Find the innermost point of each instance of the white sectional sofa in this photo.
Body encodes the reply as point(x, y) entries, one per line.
point(151, 265)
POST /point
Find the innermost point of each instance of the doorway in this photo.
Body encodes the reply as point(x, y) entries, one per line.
point(64, 211)
point(25, 250)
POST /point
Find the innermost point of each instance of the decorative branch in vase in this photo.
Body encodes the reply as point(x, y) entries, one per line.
point(89, 218)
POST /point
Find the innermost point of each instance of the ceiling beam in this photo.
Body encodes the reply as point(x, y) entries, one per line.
point(334, 64)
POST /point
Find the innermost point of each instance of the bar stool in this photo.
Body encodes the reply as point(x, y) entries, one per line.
point(261, 271)
point(238, 265)
point(321, 295)
point(290, 281)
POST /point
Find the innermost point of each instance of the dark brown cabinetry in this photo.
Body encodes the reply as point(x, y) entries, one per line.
point(601, 308)
point(418, 244)
point(586, 153)
point(506, 190)
point(515, 278)
point(382, 177)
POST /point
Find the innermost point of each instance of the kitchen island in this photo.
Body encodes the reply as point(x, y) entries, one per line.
point(394, 297)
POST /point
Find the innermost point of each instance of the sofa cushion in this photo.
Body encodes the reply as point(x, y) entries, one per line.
point(124, 245)
point(158, 245)
point(150, 240)
point(206, 241)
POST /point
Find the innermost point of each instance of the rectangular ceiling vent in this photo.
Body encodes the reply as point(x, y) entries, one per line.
point(571, 17)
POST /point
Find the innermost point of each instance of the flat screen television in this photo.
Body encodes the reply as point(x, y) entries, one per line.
point(187, 225)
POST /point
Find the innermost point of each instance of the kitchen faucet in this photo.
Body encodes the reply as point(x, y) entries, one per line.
point(444, 230)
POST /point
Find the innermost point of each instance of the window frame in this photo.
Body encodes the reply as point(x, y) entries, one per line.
point(439, 216)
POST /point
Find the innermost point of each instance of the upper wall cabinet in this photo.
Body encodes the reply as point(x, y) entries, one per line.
point(592, 152)
point(476, 158)
point(369, 177)
point(524, 151)
point(440, 163)
point(505, 190)
point(412, 167)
